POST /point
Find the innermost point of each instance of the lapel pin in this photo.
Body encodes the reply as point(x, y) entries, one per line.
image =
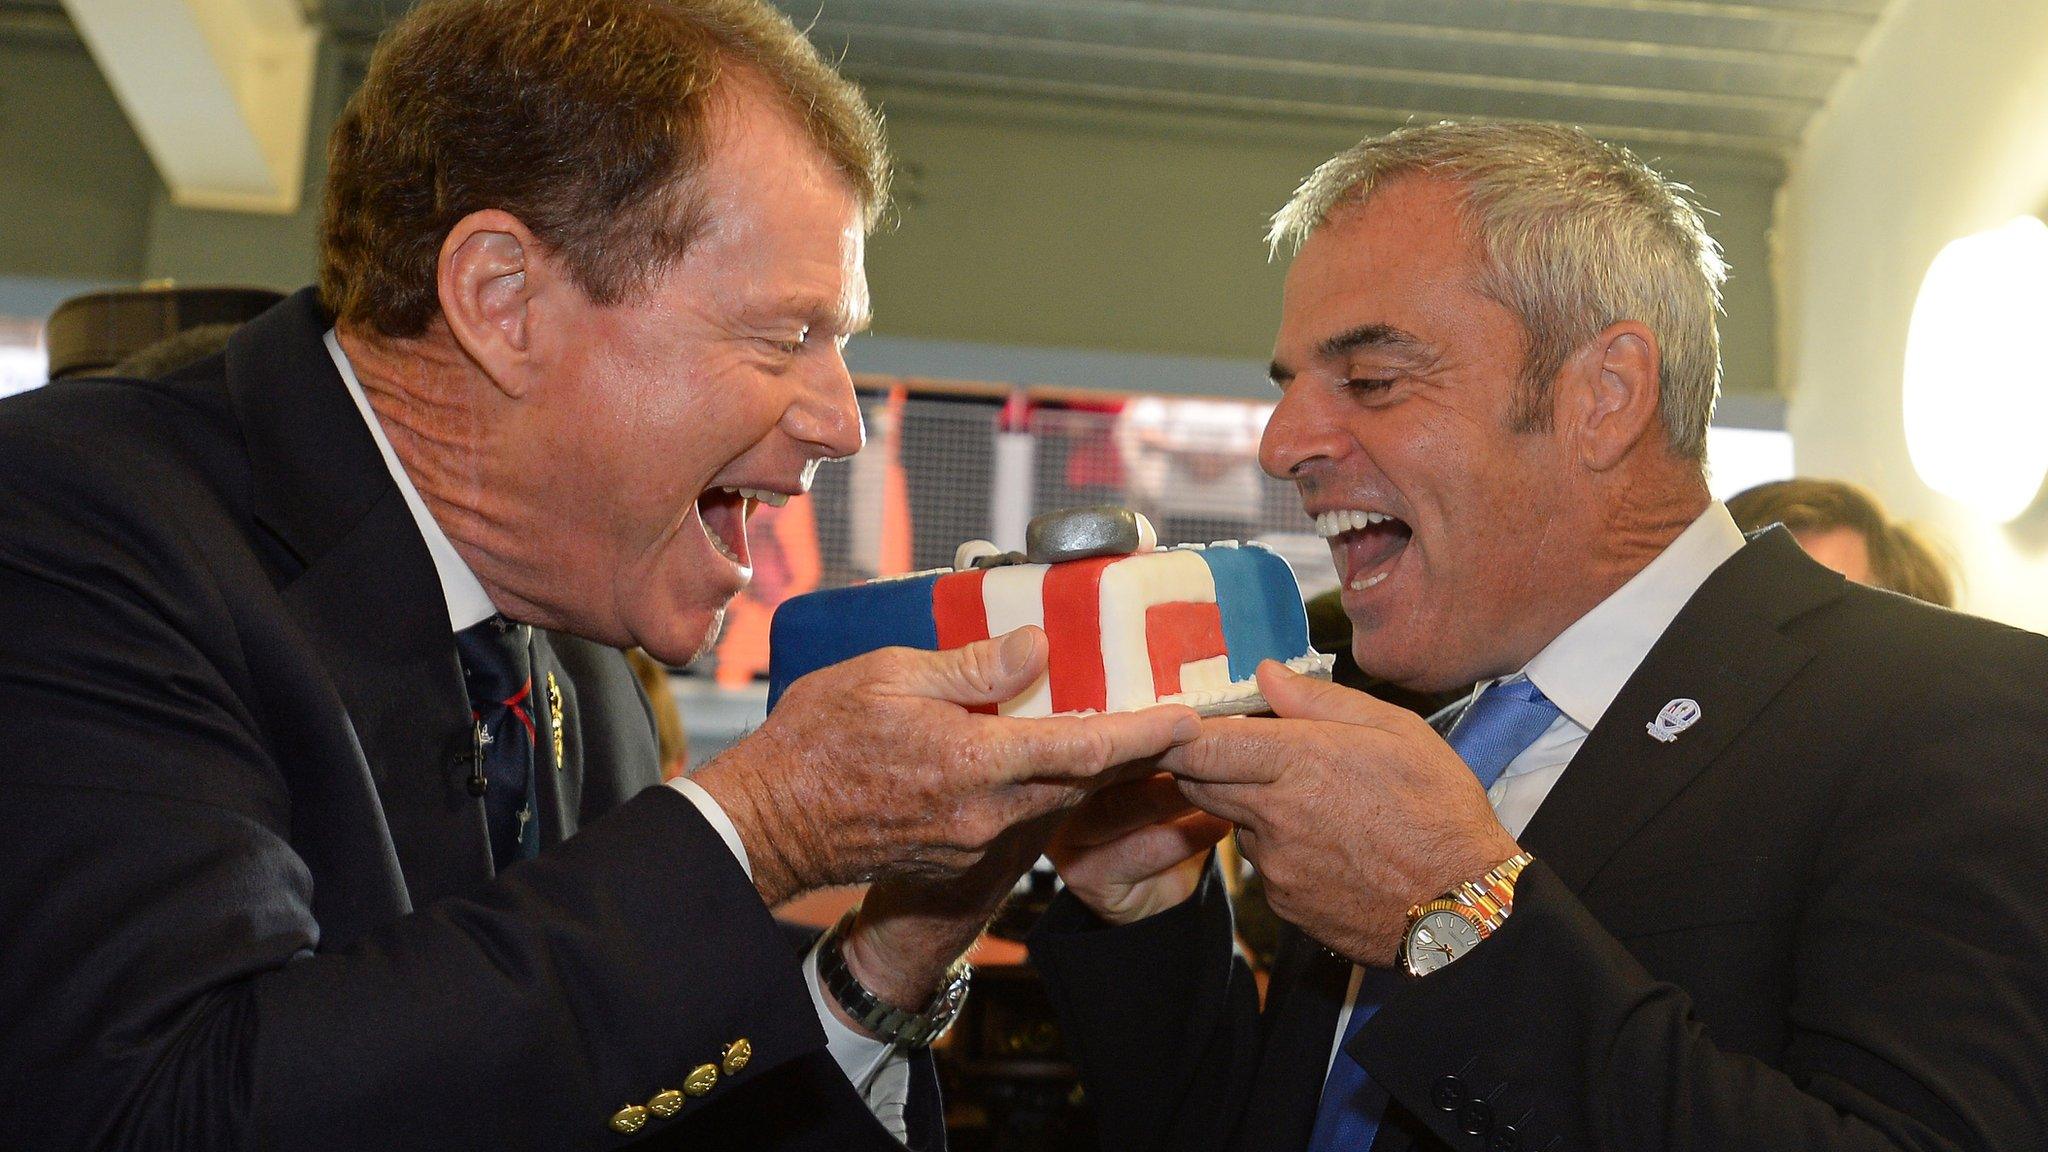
point(555, 718)
point(1674, 718)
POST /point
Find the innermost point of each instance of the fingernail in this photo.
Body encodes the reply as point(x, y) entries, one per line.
point(1015, 652)
point(1187, 728)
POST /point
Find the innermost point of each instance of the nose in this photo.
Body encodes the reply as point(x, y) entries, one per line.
point(826, 414)
point(1302, 432)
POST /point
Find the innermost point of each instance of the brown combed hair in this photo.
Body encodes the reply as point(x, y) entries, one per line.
point(1900, 559)
point(586, 119)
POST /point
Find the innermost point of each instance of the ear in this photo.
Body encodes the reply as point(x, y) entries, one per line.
point(1614, 397)
point(487, 279)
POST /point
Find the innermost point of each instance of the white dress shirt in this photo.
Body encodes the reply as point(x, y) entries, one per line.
point(1583, 669)
point(879, 1071)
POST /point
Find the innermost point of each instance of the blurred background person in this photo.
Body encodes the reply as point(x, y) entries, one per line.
point(668, 717)
point(1844, 527)
point(147, 331)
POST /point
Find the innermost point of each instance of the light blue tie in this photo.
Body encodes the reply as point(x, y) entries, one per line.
point(1506, 719)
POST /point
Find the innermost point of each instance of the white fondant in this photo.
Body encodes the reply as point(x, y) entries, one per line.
point(1014, 596)
point(1317, 664)
point(1205, 675)
point(1128, 588)
point(1148, 537)
point(966, 554)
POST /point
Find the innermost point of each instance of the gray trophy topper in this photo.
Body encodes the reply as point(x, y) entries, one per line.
point(1078, 533)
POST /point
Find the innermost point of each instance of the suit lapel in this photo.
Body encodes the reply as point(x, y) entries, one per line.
point(1725, 651)
point(558, 763)
point(367, 598)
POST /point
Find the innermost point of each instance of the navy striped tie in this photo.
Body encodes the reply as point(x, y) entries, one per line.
point(497, 669)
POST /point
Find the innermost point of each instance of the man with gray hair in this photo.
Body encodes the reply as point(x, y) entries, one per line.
point(1723, 852)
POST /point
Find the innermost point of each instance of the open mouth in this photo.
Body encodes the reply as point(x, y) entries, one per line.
point(1365, 544)
point(724, 510)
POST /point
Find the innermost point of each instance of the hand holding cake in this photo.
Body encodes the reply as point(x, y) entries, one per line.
point(900, 778)
point(902, 785)
point(1085, 652)
point(1353, 810)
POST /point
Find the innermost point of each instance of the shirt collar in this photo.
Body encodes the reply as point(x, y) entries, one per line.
point(1583, 669)
point(468, 603)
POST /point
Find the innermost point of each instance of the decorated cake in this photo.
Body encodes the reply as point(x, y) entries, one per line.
point(1129, 624)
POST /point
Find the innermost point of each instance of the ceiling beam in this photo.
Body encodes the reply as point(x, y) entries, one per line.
point(873, 41)
point(218, 90)
point(1769, 149)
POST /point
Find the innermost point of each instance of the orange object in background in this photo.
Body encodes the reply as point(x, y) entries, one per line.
point(783, 544)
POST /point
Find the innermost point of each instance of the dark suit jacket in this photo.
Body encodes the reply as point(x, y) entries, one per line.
point(245, 897)
point(1812, 921)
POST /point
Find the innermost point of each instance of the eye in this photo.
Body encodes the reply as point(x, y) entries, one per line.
point(792, 347)
point(1367, 385)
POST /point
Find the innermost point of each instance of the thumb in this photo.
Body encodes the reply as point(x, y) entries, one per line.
point(1297, 697)
point(984, 672)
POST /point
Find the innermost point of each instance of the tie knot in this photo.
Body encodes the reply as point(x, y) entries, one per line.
point(497, 660)
point(1505, 720)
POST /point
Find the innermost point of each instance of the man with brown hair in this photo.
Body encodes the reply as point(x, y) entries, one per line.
point(335, 817)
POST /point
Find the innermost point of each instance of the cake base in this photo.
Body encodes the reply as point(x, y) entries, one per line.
point(1243, 698)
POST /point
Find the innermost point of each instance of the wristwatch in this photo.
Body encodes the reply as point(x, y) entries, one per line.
point(908, 1028)
point(1454, 923)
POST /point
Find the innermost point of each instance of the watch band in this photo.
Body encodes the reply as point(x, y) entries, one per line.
point(907, 1027)
point(1492, 896)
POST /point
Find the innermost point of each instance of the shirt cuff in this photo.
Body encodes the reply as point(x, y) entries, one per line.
point(719, 822)
point(879, 1070)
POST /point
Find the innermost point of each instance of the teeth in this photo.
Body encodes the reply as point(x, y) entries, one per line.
point(1364, 582)
point(762, 495)
point(1329, 524)
point(728, 553)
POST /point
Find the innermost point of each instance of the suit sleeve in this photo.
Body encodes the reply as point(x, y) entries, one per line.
point(164, 983)
point(1161, 1016)
point(1918, 1017)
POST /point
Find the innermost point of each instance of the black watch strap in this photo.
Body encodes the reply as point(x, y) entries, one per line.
point(909, 1028)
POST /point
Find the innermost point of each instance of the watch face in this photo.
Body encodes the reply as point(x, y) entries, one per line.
point(1438, 938)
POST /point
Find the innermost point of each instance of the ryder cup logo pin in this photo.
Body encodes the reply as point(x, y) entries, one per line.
point(1675, 717)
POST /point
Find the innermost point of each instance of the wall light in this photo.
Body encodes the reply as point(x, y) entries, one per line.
point(1976, 386)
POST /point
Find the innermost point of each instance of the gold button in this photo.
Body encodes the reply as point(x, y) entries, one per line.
point(736, 1055)
point(700, 1079)
point(629, 1119)
point(666, 1103)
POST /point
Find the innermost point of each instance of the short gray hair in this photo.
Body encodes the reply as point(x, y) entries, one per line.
point(1577, 234)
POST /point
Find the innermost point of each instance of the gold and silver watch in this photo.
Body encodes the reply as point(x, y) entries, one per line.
point(1454, 924)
